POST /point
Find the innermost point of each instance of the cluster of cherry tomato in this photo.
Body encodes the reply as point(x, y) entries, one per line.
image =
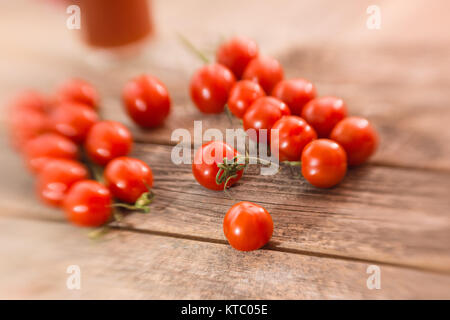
point(313, 131)
point(55, 133)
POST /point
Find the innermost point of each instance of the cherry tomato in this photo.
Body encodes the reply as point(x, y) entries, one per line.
point(210, 87)
point(41, 149)
point(324, 113)
point(295, 93)
point(78, 91)
point(147, 101)
point(205, 164)
point(324, 163)
point(236, 53)
point(108, 140)
point(247, 226)
point(242, 95)
point(25, 125)
point(128, 178)
point(263, 114)
point(88, 204)
point(57, 177)
point(358, 138)
point(29, 100)
point(73, 120)
point(294, 134)
point(266, 71)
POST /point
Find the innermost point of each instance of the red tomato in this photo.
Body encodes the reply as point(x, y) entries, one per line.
point(358, 138)
point(247, 226)
point(266, 71)
point(294, 134)
point(57, 177)
point(25, 125)
point(210, 87)
point(128, 178)
point(236, 53)
point(108, 140)
point(324, 163)
point(29, 100)
point(41, 149)
point(78, 91)
point(147, 101)
point(242, 95)
point(263, 114)
point(205, 164)
point(295, 93)
point(73, 120)
point(88, 204)
point(324, 113)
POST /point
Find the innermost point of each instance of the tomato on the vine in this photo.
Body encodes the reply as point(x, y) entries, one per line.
point(324, 113)
point(358, 138)
point(73, 120)
point(264, 70)
point(210, 87)
point(236, 53)
point(147, 101)
point(242, 95)
point(41, 149)
point(324, 163)
point(88, 204)
point(247, 226)
point(57, 177)
point(78, 91)
point(128, 178)
point(293, 135)
point(205, 163)
point(263, 114)
point(296, 93)
point(108, 140)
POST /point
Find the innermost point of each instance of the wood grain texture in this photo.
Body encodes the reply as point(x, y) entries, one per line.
point(373, 215)
point(393, 212)
point(143, 266)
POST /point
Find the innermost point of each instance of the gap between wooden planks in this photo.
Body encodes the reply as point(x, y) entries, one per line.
point(374, 215)
point(134, 266)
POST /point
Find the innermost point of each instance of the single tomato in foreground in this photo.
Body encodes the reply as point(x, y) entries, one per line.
point(205, 167)
point(358, 138)
point(147, 101)
point(128, 178)
point(324, 113)
point(263, 114)
point(57, 177)
point(293, 135)
point(72, 120)
point(210, 87)
point(247, 226)
point(324, 163)
point(78, 91)
point(236, 53)
point(296, 93)
point(264, 70)
point(88, 204)
point(108, 140)
point(46, 147)
point(242, 96)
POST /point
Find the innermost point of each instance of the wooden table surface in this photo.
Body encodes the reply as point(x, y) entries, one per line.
point(393, 212)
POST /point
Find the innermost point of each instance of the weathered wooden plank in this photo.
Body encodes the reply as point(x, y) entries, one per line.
point(143, 266)
point(378, 213)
